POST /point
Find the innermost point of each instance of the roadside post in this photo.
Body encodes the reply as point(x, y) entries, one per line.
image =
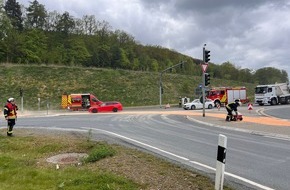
point(221, 160)
point(21, 95)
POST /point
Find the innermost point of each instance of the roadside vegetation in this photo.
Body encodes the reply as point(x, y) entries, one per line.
point(44, 85)
point(23, 165)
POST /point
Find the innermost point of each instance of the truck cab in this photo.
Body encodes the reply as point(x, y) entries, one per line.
point(265, 94)
point(272, 94)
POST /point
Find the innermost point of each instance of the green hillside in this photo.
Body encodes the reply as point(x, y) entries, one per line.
point(131, 88)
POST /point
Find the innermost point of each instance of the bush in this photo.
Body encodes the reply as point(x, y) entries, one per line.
point(100, 152)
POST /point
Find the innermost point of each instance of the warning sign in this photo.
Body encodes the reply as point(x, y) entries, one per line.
point(250, 106)
point(204, 67)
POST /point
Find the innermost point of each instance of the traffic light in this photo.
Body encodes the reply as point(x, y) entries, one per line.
point(206, 56)
point(206, 79)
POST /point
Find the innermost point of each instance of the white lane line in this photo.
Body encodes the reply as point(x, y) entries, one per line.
point(144, 144)
point(183, 158)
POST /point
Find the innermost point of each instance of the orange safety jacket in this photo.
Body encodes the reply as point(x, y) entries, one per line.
point(10, 111)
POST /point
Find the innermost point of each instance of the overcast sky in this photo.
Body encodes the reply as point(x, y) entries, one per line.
point(249, 33)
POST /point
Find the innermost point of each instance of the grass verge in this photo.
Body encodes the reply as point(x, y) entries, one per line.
point(23, 165)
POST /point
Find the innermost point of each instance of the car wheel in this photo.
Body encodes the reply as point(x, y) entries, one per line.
point(193, 107)
point(115, 109)
point(95, 110)
point(209, 106)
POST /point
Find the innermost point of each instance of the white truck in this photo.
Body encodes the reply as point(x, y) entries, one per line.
point(273, 94)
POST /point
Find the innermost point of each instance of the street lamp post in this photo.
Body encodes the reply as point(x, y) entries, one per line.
point(160, 80)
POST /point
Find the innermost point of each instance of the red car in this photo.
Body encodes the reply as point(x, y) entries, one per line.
point(106, 107)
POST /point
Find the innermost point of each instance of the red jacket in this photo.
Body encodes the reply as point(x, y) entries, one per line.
point(10, 111)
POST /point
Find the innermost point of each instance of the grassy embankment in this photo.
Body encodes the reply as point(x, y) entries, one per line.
point(23, 165)
point(131, 88)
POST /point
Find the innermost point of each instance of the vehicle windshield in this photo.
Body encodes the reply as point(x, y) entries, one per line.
point(261, 90)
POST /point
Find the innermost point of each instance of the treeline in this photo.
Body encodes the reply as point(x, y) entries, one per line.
point(34, 35)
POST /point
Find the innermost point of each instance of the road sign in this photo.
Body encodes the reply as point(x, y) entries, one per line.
point(204, 67)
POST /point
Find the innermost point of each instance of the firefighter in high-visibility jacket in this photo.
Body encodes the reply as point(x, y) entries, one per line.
point(232, 107)
point(10, 114)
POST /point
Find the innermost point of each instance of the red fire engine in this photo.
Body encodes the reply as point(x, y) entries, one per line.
point(224, 95)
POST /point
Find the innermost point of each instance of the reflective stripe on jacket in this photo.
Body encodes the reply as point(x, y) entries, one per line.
point(232, 106)
point(10, 111)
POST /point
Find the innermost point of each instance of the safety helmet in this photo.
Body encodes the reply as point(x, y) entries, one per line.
point(238, 102)
point(10, 100)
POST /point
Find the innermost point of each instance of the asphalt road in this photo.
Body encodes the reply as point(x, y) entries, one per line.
point(253, 161)
point(280, 111)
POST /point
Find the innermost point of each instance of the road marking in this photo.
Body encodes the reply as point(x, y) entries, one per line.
point(144, 144)
point(183, 158)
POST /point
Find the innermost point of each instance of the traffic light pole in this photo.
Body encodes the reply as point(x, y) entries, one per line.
point(160, 90)
point(203, 84)
point(203, 94)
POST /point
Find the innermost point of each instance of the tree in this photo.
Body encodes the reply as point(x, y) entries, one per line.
point(104, 56)
point(103, 32)
point(34, 46)
point(124, 61)
point(14, 13)
point(51, 21)
point(13, 42)
point(246, 75)
point(36, 15)
point(90, 24)
point(78, 53)
point(270, 75)
point(229, 71)
point(5, 28)
point(65, 24)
